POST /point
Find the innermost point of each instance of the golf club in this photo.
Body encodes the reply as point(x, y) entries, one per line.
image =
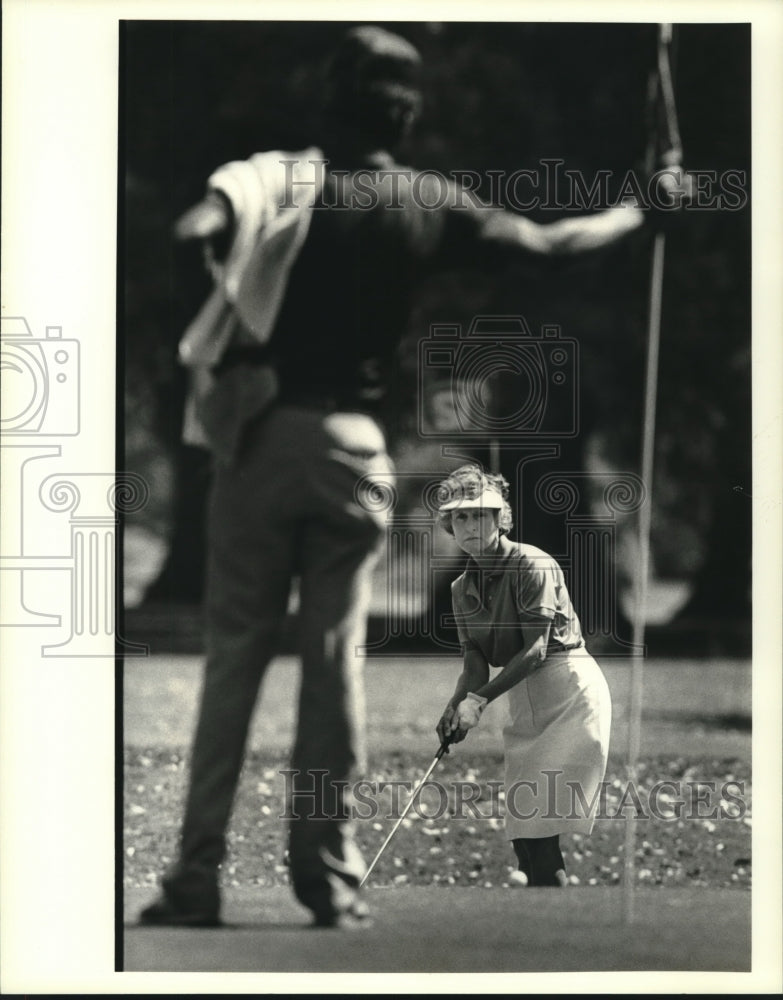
point(443, 749)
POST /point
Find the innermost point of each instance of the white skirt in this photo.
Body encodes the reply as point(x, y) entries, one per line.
point(556, 747)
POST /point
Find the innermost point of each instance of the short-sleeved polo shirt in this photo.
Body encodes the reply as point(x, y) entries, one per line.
point(518, 586)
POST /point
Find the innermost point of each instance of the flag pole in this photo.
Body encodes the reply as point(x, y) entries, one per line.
point(642, 575)
point(663, 86)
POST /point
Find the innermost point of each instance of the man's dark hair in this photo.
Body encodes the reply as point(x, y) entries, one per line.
point(373, 86)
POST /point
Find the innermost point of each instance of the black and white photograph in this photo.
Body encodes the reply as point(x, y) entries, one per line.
point(426, 595)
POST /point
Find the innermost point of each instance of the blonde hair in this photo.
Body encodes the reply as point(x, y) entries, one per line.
point(470, 481)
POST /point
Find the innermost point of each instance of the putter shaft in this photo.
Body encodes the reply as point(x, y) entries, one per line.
point(405, 811)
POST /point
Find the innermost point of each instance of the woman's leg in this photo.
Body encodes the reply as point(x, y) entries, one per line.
point(547, 867)
point(523, 858)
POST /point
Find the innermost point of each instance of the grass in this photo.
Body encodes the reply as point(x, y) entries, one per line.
point(448, 849)
point(696, 728)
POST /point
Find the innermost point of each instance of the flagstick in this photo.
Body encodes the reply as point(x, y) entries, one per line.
point(494, 455)
point(660, 82)
point(642, 577)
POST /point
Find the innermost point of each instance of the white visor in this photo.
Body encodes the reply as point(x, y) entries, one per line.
point(489, 498)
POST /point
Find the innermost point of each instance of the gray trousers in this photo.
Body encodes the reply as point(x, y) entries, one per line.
point(288, 508)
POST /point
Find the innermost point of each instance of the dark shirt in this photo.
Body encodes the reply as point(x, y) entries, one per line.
point(349, 292)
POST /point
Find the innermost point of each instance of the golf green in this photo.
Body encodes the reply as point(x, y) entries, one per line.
point(447, 930)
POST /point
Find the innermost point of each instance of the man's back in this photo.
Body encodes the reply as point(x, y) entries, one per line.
point(375, 232)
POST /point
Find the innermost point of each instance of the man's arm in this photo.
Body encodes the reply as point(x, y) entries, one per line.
point(588, 232)
point(564, 236)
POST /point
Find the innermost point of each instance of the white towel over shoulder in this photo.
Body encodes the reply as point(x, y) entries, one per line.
point(272, 196)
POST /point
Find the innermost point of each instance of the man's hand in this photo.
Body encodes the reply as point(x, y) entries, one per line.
point(672, 187)
point(209, 218)
point(670, 190)
point(466, 716)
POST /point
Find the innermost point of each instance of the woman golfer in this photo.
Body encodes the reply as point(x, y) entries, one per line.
point(514, 614)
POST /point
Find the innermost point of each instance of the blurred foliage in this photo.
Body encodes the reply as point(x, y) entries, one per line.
point(498, 96)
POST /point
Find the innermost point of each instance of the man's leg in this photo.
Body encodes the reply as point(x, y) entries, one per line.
point(249, 572)
point(340, 546)
point(329, 753)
